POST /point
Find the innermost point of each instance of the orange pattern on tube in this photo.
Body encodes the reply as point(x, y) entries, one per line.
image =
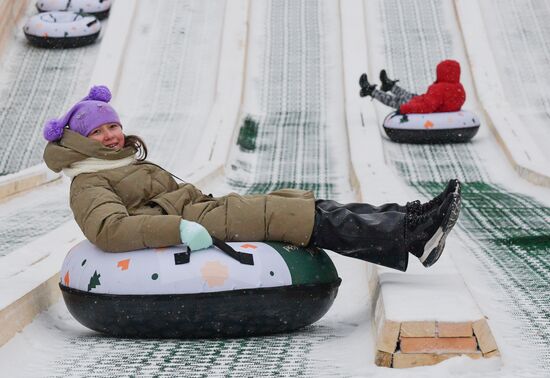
point(123, 264)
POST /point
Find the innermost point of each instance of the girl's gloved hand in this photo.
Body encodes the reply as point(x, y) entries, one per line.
point(194, 235)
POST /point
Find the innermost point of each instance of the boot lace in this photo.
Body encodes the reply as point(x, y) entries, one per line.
point(414, 207)
point(430, 204)
point(414, 219)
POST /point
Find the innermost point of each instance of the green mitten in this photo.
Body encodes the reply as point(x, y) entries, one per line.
point(194, 235)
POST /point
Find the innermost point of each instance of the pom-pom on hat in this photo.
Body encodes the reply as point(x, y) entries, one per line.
point(86, 115)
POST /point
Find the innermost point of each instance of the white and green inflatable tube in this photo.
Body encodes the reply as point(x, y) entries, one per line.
point(430, 128)
point(97, 8)
point(260, 288)
point(61, 29)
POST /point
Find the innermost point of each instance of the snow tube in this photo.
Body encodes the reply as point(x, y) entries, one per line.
point(61, 29)
point(97, 8)
point(450, 127)
point(233, 290)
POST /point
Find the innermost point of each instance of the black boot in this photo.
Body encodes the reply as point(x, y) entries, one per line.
point(387, 83)
point(366, 87)
point(425, 234)
point(362, 231)
point(453, 186)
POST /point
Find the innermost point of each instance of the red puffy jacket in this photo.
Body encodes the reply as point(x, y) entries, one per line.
point(446, 94)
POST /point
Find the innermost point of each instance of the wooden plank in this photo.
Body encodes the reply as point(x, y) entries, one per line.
point(402, 360)
point(405, 360)
point(383, 359)
point(23, 311)
point(484, 336)
point(418, 329)
point(25, 183)
point(388, 335)
point(448, 329)
point(438, 345)
point(10, 13)
point(494, 353)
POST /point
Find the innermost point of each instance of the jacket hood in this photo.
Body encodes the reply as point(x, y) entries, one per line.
point(448, 71)
point(74, 147)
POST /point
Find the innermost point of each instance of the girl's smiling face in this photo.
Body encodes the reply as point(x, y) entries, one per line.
point(109, 134)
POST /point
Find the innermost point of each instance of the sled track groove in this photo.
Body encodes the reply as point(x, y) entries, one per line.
point(163, 130)
point(42, 84)
point(160, 117)
point(280, 355)
point(509, 231)
point(519, 32)
point(524, 30)
point(37, 85)
point(290, 150)
point(167, 111)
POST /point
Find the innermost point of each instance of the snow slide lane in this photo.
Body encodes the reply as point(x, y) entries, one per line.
point(35, 85)
point(300, 139)
point(505, 229)
point(168, 84)
point(290, 133)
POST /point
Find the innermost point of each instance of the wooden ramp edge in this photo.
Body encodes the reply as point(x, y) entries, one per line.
point(420, 338)
point(11, 12)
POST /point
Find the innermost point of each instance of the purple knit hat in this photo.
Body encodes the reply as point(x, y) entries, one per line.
point(87, 114)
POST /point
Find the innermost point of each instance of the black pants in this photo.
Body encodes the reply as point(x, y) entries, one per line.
point(371, 233)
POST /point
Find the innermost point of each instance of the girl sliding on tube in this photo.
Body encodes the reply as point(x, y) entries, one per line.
point(123, 202)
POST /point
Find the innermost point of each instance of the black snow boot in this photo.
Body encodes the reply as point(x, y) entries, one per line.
point(371, 233)
point(425, 234)
point(453, 186)
point(366, 87)
point(387, 83)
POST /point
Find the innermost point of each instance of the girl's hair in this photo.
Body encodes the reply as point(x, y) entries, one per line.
point(138, 144)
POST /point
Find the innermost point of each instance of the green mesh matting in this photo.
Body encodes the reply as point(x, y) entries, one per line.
point(286, 143)
point(279, 355)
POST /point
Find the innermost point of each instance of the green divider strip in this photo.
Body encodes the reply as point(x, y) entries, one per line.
point(513, 233)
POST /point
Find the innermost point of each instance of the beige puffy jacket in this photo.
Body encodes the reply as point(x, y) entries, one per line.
point(140, 205)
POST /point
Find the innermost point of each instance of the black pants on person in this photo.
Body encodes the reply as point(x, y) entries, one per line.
point(372, 233)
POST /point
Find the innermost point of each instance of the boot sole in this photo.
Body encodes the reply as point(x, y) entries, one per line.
point(431, 253)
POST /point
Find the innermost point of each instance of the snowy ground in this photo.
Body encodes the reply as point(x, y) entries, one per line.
point(293, 91)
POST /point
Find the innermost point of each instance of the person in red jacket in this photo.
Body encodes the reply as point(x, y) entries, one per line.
point(446, 94)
